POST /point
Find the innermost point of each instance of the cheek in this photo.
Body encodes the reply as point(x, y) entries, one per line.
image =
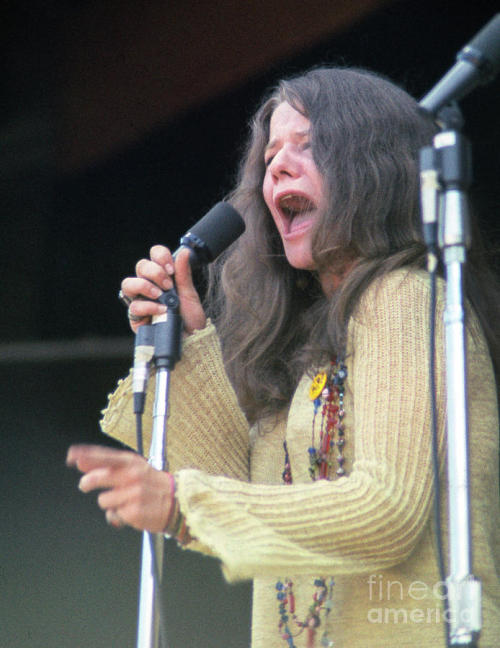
point(267, 191)
point(268, 199)
point(315, 178)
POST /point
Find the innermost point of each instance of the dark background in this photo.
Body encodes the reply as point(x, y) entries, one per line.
point(118, 131)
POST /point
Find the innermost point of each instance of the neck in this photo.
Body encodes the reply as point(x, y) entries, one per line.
point(330, 280)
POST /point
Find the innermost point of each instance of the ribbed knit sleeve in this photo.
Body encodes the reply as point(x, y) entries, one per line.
point(206, 429)
point(371, 519)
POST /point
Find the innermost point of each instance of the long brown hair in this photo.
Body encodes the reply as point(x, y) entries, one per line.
point(273, 320)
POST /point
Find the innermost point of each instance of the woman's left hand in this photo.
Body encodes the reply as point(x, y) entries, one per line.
point(134, 492)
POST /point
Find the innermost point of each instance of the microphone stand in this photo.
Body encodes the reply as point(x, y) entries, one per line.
point(478, 62)
point(454, 169)
point(167, 343)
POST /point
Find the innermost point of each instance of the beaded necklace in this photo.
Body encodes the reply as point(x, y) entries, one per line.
point(327, 395)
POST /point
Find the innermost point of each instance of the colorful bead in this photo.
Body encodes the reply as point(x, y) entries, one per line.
point(327, 394)
point(287, 473)
point(317, 386)
point(328, 390)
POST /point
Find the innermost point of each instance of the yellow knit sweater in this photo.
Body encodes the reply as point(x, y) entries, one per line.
point(372, 530)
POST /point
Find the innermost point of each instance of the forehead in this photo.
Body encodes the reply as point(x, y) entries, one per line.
point(286, 120)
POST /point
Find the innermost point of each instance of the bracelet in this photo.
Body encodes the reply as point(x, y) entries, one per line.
point(176, 526)
point(179, 525)
point(183, 536)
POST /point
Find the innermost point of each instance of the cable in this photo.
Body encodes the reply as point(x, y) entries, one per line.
point(138, 433)
point(432, 267)
point(430, 201)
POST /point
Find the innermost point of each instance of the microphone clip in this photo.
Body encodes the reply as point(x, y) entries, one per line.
point(168, 331)
point(199, 254)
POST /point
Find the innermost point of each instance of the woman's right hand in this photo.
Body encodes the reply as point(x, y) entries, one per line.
point(156, 275)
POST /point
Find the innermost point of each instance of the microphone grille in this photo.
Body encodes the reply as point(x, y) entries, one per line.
point(220, 227)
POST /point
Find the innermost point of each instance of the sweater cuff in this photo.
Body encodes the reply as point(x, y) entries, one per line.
point(206, 427)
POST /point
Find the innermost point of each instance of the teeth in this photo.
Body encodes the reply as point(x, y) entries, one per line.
point(293, 204)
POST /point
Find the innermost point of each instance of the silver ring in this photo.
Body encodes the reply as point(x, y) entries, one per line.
point(114, 519)
point(135, 318)
point(126, 301)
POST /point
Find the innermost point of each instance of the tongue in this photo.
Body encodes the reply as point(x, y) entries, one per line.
point(299, 220)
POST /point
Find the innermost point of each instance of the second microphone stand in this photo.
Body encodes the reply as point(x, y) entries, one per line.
point(453, 162)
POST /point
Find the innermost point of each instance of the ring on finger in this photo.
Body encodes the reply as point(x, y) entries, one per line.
point(135, 318)
point(114, 519)
point(125, 299)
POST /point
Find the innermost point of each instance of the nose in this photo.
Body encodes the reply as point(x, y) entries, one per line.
point(284, 164)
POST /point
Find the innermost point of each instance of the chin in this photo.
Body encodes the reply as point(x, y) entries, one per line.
point(300, 261)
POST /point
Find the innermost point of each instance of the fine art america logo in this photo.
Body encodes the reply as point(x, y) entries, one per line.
point(393, 602)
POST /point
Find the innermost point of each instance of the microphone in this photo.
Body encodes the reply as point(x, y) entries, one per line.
point(477, 63)
point(212, 234)
point(161, 341)
point(208, 238)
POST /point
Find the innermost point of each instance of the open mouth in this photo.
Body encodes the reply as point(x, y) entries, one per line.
point(296, 211)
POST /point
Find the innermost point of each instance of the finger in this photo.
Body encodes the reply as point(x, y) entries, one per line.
point(116, 498)
point(97, 478)
point(191, 308)
point(87, 457)
point(140, 308)
point(162, 255)
point(135, 321)
point(183, 274)
point(154, 272)
point(113, 518)
point(83, 451)
point(134, 287)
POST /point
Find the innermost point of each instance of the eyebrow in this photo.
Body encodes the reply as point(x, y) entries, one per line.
point(298, 134)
